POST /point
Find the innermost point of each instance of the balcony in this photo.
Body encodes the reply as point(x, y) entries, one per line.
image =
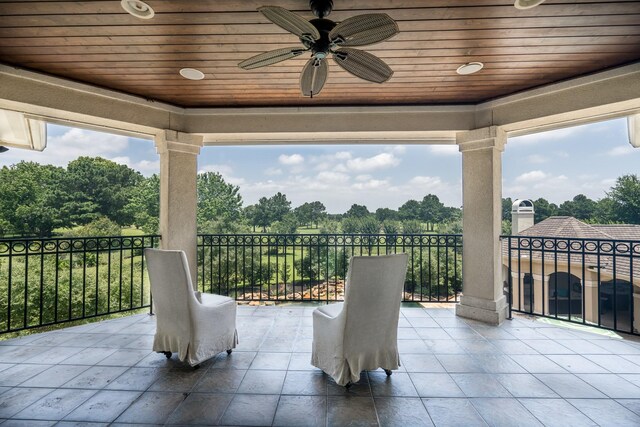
point(454, 372)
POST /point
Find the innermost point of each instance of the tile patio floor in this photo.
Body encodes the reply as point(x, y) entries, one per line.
point(455, 372)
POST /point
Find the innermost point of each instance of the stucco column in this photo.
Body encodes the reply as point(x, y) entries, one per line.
point(483, 297)
point(178, 198)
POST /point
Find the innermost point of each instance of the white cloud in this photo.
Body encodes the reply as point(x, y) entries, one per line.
point(364, 177)
point(444, 150)
point(425, 181)
point(292, 160)
point(621, 150)
point(273, 171)
point(372, 184)
point(343, 155)
point(532, 176)
point(380, 161)
point(397, 149)
point(328, 177)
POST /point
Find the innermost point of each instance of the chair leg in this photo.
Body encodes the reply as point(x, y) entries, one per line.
point(348, 385)
point(388, 372)
point(167, 354)
point(229, 351)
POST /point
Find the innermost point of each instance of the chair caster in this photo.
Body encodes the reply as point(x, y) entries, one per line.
point(388, 372)
point(167, 354)
point(348, 385)
point(196, 367)
point(229, 351)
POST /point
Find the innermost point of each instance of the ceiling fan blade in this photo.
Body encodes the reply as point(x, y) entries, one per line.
point(363, 64)
point(271, 57)
point(313, 76)
point(291, 22)
point(365, 29)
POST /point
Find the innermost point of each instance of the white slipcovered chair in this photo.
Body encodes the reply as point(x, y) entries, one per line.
point(195, 325)
point(362, 332)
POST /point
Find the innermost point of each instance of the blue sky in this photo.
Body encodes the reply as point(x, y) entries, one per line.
point(555, 165)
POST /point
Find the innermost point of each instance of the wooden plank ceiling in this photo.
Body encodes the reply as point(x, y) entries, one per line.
point(97, 42)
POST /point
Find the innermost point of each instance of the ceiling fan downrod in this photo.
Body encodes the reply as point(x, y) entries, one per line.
point(321, 8)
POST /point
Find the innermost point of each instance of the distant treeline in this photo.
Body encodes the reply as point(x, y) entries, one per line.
point(95, 196)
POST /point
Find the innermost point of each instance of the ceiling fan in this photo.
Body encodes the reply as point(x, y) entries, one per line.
point(323, 37)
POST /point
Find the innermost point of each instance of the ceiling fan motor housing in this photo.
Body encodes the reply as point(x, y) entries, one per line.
point(322, 46)
point(321, 8)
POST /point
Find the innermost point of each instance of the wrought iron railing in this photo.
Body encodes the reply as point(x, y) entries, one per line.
point(588, 281)
point(293, 267)
point(57, 280)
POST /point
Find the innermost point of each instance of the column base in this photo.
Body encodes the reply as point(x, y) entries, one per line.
point(491, 312)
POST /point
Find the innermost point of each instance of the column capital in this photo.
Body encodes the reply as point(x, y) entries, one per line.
point(171, 140)
point(482, 138)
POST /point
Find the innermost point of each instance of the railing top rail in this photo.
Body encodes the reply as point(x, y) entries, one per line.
point(572, 239)
point(35, 239)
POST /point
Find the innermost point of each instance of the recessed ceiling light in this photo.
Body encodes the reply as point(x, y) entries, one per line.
point(138, 8)
point(527, 4)
point(192, 74)
point(470, 68)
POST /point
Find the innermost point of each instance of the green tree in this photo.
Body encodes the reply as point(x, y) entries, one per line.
point(97, 186)
point(318, 212)
point(217, 200)
point(581, 207)
point(279, 206)
point(543, 209)
point(606, 210)
point(144, 205)
point(386, 214)
point(409, 210)
point(357, 211)
point(411, 227)
point(506, 208)
point(626, 196)
point(31, 198)
point(303, 213)
point(431, 209)
point(287, 225)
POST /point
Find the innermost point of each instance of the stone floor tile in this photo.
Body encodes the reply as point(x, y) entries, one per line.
point(577, 364)
point(447, 346)
point(136, 379)
point(504, 412)
point(152, 408)
point(52, 355)
point(498, 364)
point(200, 408)
point(556, 413)
point(401, 411)
point(262, 382)
point(104, 406)
point(220, 381)
point(235, 360)
point(55, 376)
point(619, 347)
point(28, 423)
point(512, 347)
point(351, 410)
point(412, 346)
point(271, 361)
point(423, 322)
point(20, 373)
point(18, 398)
point(124, 357)
point(582, 346)
point(547, 347)
point(459, 363)
point(51, 340)
point(614, 363)
point(95, 377)
point(397, 385)
point(631, 404)
point(250, 410)
point(480, 385)
point(449, 412)
point(525, 385)
point(462, 333)
point(295, 411)
point(435, 385)
point(55, 405)
point(537, 364)
point(477, 346)
point(301, 362)
point(84, 340)
point(80, 424)
point(178, 379)
point(305, 383)
point(569, 386)
point(612, 385)
point(606, 412)
point(421, 363)
point(414, 333)
point(88, 356)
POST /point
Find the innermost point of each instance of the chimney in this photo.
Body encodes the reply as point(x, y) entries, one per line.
point(521, 215)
